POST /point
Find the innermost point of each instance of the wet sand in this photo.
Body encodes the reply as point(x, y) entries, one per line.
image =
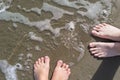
point(13, 41)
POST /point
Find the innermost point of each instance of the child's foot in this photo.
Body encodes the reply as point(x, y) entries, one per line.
point(106, 31)
point(41, 68)
point(61, 72)
point(101, 49)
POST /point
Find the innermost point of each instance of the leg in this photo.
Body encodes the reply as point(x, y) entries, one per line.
point(106, 31)
point(61, 72)
point(101, 49)
point(41, 68)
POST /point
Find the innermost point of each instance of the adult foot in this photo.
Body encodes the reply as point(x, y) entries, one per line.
point(106, 31)
point(61, 72)
point(101, 49)
point(41, 68)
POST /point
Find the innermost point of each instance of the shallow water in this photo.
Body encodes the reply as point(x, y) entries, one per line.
point(34, 28)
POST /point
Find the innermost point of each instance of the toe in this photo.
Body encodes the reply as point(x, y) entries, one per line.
point(39, 61)
point(96, 29)
point(42, 59)
point(68, 71)
point(36, 64)
point(59, 63)
point(97, 55)
point(95, 33)
point(93, 49)
point(94, 52)
point(102, 55)
point(105, 24)
point(67, 66)
point(101, 25)
point(64, 65)
point(92, 45)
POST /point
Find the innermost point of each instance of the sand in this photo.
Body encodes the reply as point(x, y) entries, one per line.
point(51, 37)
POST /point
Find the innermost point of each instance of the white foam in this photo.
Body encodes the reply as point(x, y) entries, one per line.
point(29, 55)
point(4, 5)
point(95, 10)
point(9, 70)
point(15, 25)
point(70, 26)
point(15, 17)
point(33, 36)
point(35, 9)
point(70, 40)
point(80, 48)
point(46, 25)
point(41, 25)
point(37, 48)
point(85, 27)
point(57, 12)
point(67, 3)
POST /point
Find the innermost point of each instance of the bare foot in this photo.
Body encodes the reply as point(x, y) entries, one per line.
point(41, 68)
point(106, 31)
point(61, 72)
point(101, 49)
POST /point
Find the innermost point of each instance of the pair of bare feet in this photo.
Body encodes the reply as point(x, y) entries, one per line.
point(105, 49)
point(98, 49)
point(41, 70)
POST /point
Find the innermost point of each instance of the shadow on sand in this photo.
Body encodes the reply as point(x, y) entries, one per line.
point(107, 69)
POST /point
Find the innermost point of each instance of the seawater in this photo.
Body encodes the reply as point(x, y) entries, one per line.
point(57, 28)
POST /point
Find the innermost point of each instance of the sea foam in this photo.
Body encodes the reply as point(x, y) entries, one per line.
point(9, 70)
